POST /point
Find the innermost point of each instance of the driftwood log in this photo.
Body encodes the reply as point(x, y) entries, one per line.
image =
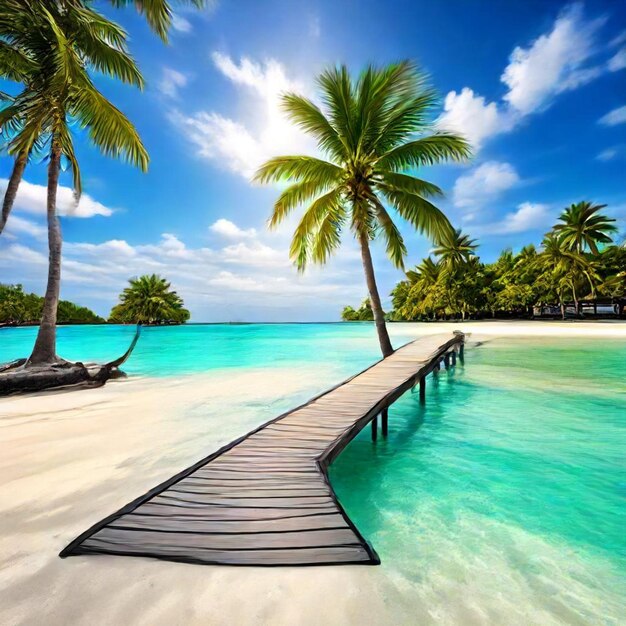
point(19, 377)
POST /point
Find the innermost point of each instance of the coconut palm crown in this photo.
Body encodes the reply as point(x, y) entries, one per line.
point(455, 249)
point(582, 226)
point(374, 132)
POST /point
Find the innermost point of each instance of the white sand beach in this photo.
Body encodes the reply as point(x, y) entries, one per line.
point(69, 459)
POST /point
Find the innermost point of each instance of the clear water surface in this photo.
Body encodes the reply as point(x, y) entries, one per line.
point(502, 500)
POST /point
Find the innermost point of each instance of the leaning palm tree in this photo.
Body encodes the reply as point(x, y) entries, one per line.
point(64, 45)
point(18, 66)
point(374, 132)
point(455, 249)
point(583, 227)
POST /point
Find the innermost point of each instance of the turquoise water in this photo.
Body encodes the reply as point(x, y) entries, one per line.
point(502, 500)
point(197, 348)
point(511, 478)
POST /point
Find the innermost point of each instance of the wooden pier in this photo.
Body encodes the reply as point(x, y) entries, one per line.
point(265, 499)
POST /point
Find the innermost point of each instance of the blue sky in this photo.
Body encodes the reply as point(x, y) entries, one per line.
point(538, 86)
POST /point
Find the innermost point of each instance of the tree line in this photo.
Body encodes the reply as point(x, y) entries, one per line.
point(577, 260)
point(148, 300)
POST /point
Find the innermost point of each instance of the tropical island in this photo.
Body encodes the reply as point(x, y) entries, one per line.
point(286, 160)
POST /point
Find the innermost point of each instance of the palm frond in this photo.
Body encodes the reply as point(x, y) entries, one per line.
point(394, 181)
point(310, 119)
point(422, 214)
point(309, 224)
point(298, 168)
point(294, 196)
point(430, 150)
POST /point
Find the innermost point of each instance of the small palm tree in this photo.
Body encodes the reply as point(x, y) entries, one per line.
point(583, 227)
point(149, 300)
point(455, 249)
point(373, 132)
point(62, 45)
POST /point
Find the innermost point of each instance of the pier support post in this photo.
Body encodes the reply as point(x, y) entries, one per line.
point(423, 389)
point(383, 421)
point(462, 352)
point(375, 428)
point(446, 360)
point(454, 357)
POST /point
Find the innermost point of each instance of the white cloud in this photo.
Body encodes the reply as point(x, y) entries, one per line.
point(31, 198)
point(181, 24)
point(528, 216)
point(614, 117)
point(171, 81)
point(552, 63)
point(555, 62)
point(242, 145)
point(18, 254)
point(618, 61)
point(472, 116)
point(230, 230)
point(216, 283)
point(484, 184)
point(17, 225)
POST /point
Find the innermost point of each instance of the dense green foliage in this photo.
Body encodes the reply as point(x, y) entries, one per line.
point(17, 307)
point(577, 260)
point(149, 299)
point(363, 314)
point(374, 132)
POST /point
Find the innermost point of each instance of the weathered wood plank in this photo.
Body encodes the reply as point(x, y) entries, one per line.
point(265, 499)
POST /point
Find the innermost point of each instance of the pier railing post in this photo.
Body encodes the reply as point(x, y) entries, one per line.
point(384, 417)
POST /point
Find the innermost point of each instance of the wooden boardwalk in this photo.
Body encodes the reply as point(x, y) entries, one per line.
point(265, 499)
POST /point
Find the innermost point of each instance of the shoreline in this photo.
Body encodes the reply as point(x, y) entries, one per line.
point(89, 452)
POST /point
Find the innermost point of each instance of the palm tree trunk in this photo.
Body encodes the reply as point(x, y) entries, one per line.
point(45, 345)
point(11, 190)
point(377, 309)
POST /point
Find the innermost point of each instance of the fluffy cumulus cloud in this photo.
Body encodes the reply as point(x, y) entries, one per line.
point(241, 145)
point(484, 184)
point(171, 82)
point(558, 61)
point(221, 282)
point(614, 117)
point(528, 216)
point(553, 63)
point(31, 198)
point(471, 115)
point(230, 230)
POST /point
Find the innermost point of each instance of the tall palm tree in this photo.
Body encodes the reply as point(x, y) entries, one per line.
point(455, 249)
point(566, 270)
point(374, 132)
point(149, 299)
point(16, 65)
point(63, 45)
point(582, 226)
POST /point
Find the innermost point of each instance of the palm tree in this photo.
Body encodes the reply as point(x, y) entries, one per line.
point(149, 300)
point(582, 226)
point(564, 269)
point(62, 45)
point(455, 249)
point(18, 66)
point(373, 132)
